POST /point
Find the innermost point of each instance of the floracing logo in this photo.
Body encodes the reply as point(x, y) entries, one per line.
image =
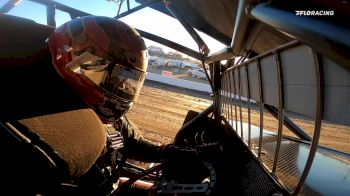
point(314, 13)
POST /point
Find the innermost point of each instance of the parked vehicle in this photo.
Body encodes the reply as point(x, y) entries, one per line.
point(198, 73)
point(156, 62)
point(174, 63)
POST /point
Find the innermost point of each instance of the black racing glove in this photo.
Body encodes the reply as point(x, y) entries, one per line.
point(172, 152)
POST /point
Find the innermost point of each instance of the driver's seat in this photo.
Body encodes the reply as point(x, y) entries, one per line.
point(47, 135)
point(40, 153)
point(29, 166)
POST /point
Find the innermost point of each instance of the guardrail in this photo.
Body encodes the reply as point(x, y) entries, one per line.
point(179, 82)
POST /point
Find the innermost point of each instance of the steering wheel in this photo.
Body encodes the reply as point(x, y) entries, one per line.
point(177, 177)
point(192, 177)
point(187, 179)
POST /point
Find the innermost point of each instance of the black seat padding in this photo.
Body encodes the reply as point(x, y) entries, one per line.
point(30, 86)
point(34, 95)
point(26, 168)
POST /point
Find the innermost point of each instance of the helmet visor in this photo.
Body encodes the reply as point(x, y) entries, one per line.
point(117, 80)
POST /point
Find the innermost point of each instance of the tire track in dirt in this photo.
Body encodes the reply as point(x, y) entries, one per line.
point(161, 110)
point(177, 100)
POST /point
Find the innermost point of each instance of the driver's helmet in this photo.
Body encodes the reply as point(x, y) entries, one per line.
point(103, 60)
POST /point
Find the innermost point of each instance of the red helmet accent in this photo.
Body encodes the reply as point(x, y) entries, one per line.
point(103, 60)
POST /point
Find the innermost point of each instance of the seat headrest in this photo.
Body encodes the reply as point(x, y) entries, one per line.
point(34, 94)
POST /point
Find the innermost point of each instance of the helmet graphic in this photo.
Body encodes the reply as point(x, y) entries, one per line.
point(103, 60)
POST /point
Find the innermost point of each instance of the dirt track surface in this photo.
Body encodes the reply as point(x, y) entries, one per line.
point(161, 110)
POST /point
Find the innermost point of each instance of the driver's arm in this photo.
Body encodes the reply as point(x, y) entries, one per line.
point(138, 148)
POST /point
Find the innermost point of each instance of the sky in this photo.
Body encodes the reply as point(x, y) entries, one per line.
point(146, 19)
